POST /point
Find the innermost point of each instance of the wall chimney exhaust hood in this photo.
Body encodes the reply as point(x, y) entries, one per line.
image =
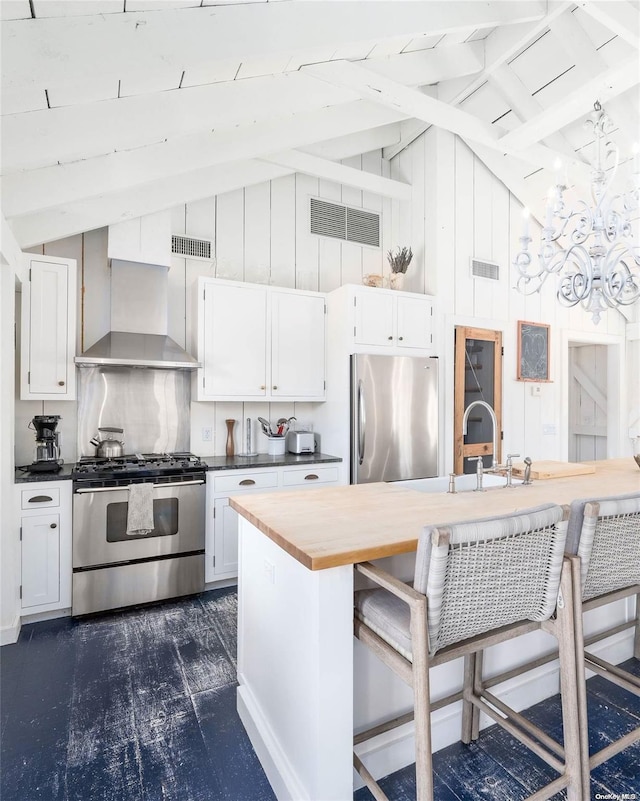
point(139, 322)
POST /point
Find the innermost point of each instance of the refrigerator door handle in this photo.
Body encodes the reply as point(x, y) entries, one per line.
point(362, 422)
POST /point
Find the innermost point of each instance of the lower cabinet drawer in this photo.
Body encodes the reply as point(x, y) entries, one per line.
point(40, 498)
point(245, 481)
point(310, 477)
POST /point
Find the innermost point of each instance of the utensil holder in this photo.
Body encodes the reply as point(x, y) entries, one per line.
point(275, 446)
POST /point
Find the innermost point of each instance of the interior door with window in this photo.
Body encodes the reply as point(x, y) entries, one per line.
point(478, 377)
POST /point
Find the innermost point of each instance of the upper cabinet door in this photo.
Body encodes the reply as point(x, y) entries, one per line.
point(414, 321)
point(48, 330)
point(297, 345)
point(234, 353)
point(374, 323)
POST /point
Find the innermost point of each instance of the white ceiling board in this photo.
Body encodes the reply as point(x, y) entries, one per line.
point(15, 9)
point(255, 67)
point(83, 92)
point(425, 42)
point(88, 214)
point(58, 49)
point(596, 31)
point(157, 80)
point(97, 128)
point(26, 192)
point(537, 66)
point(160, 5)
point(390, 47)
point(217, 72)
point(353, 144)
point(75, 8)
point(17, 102)
point(309, 57)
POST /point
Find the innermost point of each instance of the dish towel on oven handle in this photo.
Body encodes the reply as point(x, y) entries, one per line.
point(140, 510)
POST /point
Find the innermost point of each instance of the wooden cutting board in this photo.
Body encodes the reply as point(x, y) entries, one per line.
point(550, 469)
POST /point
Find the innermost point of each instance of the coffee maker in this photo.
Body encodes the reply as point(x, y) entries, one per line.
point(47, 451)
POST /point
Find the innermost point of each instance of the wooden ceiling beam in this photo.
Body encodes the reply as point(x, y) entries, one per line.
point(605, 86)
point(340, 174)
point(30, 191)
point(90, 213)
point(500, 47)
point(621, 18)
point(58, 49)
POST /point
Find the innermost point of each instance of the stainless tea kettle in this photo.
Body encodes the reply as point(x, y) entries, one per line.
point(109, 448)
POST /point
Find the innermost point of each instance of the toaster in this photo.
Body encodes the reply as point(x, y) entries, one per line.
point(301, 442)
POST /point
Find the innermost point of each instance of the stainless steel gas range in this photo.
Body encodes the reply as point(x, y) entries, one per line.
point(113, 569)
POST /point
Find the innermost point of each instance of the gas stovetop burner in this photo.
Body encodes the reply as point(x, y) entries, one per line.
point(135, 466)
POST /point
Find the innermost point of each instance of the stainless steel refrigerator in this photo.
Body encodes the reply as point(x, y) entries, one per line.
point(394, 418)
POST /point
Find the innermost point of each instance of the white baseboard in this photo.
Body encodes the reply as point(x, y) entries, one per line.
point(10, 634)
point(39, 617)
point(395, 749)
point(283, 780)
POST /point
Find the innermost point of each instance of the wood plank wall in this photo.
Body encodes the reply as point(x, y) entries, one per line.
point(459, 210)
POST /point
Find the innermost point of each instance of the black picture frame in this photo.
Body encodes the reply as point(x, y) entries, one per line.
point(533, 352)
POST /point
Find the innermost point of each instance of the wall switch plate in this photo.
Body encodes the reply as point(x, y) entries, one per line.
point(536, 390)
point(206, 434)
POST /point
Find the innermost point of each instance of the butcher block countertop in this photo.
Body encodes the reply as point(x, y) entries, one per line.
point(333, 526)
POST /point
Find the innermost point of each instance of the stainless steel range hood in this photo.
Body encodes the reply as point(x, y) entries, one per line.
point(139, 321)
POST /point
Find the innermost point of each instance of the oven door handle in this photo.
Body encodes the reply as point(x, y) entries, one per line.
point(126, 487)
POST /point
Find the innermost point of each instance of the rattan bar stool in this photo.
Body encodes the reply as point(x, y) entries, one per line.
point(605, 535)
point(476, 584)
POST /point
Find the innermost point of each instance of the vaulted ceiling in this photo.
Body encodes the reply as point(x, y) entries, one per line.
point(114, 109)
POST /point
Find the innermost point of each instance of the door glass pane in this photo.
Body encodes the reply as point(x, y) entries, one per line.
point(165, 517)
point(479, 386)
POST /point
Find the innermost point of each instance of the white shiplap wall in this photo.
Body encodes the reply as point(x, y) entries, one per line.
point(461, 210)
point(260, 235)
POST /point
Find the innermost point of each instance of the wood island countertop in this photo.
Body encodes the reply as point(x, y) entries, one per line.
point(333, 526)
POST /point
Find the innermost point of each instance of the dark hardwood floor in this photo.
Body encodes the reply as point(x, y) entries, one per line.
point(140, 706)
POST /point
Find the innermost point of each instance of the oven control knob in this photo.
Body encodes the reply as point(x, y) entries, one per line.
point(53, 525)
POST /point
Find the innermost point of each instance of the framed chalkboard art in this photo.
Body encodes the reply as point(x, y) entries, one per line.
point(533, 351)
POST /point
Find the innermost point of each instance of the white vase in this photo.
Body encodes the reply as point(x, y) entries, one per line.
point(396, 280)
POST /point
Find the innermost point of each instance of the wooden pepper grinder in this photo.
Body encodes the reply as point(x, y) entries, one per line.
point(230, 451)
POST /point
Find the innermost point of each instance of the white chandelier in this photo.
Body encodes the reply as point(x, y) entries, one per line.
point(600, 268)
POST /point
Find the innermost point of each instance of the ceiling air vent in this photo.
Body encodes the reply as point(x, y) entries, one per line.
point(343, 222)
point(191, 248)
point(485, 269)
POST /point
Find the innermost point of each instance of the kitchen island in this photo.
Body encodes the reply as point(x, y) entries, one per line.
point(297, 696)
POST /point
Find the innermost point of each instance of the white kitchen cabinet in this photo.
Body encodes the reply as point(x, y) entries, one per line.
point(391, 319)
point(48, 329)
point(45, 534)
point(221, 540)
point(143, 239)
point(258, 342)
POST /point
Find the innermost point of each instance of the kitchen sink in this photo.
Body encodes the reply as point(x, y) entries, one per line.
point(464, 483)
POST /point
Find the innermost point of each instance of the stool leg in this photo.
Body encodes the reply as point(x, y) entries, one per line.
point(477, 690)
point(636, 639)
point(581, 685)
point(467, 690)
point(422, 706)
point(572, 716)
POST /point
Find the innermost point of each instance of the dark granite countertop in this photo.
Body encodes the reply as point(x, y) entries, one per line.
point(264, 460)
point(22, 476)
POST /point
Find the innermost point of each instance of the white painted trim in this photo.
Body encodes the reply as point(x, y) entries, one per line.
point(40, 617)
point(281, 776)
point(616, 387)
point(10, 634)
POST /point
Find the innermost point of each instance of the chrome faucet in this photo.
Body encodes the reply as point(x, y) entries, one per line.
point(494, 423)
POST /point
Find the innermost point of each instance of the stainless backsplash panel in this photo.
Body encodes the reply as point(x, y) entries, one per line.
point(152, 406)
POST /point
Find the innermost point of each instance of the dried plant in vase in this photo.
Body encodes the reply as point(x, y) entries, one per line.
point(398, 261)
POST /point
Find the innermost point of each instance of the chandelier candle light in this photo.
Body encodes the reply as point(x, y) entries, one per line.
point(600, 267)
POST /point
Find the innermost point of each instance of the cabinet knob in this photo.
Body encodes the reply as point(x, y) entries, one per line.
point(275, 387)
point(310, 477)
point(400, 338)
point(53, 525)
point(60, 383)
point(262, 386)
point(389, 337)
